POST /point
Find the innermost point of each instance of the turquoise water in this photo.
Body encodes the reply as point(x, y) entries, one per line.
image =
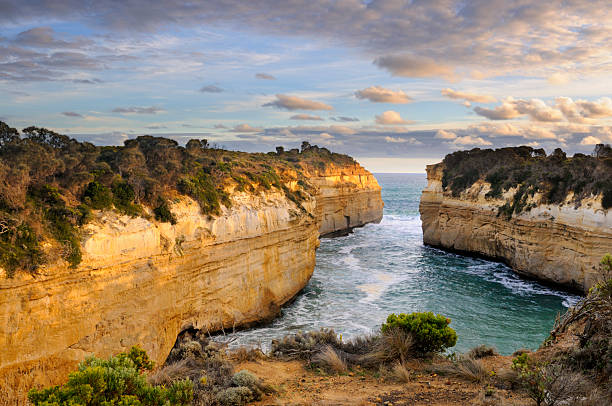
point(384, 268)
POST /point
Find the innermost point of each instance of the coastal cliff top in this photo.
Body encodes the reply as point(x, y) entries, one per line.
point(528, 171)
point(50, 183)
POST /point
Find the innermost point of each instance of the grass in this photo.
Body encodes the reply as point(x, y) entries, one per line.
point(464, 367)
point(330, 360)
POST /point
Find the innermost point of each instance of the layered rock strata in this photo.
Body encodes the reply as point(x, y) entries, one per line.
point(143, 282)
point(562, 244)
point(348, 197)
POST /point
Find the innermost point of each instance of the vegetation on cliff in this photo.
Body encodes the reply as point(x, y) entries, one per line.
point(531, 171)
point(119, 380)
point(50, 183)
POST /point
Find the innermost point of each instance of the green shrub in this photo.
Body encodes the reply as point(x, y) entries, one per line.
point(19, 248)
point(123, 198)
point(163, 213)
point(98, 196)
point(116, 381)
point(532, 376)
point(201, 188)
point(139, 357)
point(62, 222)
point(430, 331)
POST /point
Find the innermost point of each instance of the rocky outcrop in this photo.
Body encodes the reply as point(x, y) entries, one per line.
point(348, 197)
point(562, 244)
point(143, 282)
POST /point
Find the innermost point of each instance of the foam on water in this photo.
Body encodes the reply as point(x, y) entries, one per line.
point(382, 268)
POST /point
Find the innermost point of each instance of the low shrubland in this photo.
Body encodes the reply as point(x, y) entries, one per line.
point(531, 171)
point(119, 380)
point(402, 337)
point(50, 183)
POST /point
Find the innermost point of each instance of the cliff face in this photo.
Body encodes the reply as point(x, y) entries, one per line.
point(561, 243)
point(348, 197)
point(143, 282)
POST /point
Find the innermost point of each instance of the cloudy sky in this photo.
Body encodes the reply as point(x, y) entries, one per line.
point(395, 83)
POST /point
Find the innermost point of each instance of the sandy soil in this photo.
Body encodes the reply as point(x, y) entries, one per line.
point(298, 385)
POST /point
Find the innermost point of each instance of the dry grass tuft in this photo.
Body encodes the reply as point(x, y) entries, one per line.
point(396, 344)
point(507, 378)
point(482, 351)
point(401, 374)
point(465, 368)
point(169, 373)
point(330, 360)
point(244, 354)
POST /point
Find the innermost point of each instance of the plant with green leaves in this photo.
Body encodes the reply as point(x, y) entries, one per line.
point(532, 376)
point(117, 381)
point(431, 332)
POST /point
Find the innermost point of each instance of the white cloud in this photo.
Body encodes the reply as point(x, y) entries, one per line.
point(399, 140)
point(511, 108)
point(415, 67)
point(297, 103)
point(307, 117)
point(470, 140)
point(469, 97)
point(590, 140)
point(246, 128)
point(391, 117)
point(445, 135)
point(378, 94)
point(559, 78)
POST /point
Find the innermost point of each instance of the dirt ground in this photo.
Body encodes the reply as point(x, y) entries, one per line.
point(297, 385)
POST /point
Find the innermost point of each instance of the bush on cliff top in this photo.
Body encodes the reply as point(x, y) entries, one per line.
point(118, 380)
point(531, 171)
point(430, 332)
point(49, 183)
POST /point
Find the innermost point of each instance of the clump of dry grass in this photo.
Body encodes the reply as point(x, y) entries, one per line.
point(396, 344)
point(401, 373)
point(169, 373)
point(482, 351)
point(464, 367)
point(244, 354)
point(330, 360)
point(369, 351)
point(521, 351)
point(507, 378)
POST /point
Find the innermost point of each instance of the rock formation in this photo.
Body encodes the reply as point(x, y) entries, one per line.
point(558, 243)
point(143, 282)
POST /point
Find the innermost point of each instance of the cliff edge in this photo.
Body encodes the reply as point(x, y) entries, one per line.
point(539, 232)
point(231, 244)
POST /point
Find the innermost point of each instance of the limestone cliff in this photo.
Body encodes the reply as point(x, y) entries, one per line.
point(143, 281)
point(348, 197)
point(558, 243)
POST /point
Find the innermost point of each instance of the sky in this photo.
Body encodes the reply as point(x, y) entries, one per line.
point(397, 84)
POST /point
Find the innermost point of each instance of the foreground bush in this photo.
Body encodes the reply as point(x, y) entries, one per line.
point(118, 380)
point(430, 332)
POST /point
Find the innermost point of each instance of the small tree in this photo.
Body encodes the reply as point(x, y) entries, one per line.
point(430, 331)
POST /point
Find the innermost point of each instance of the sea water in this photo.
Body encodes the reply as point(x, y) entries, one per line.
point(385, 268)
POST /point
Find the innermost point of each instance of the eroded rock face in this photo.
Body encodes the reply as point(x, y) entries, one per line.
point(562, 244)
point(142, 282)
point(348, 197)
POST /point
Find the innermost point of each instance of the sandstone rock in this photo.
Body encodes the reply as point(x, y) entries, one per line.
point(562, 244)
point(143, 282)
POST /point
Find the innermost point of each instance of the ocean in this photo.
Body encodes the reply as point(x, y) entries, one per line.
point(385, 268)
